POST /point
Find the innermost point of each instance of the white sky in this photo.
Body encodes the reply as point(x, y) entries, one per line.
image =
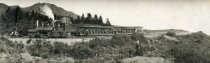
point(153, 14)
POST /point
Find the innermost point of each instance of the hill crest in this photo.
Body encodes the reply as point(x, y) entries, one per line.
point(55, 9)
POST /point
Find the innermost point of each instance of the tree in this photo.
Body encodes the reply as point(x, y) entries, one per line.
point(11, 19)
point(95, 19)
point(78, 20)
point(95, 16)
point(83, 18)
point(107, 22)
point(88, 19)
point(100, 20)
point(18, 13)
point(89, 15)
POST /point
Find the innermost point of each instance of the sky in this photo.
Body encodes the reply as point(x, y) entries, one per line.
point(190, 15)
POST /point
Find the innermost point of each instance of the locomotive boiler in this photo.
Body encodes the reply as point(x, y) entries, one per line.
point(50, 29)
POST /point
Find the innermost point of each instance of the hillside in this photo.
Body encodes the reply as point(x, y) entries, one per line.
point(3, 7)
point(55, 9)
point(58, 11)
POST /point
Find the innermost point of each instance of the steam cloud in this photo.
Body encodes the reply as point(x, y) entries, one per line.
point(46, 10)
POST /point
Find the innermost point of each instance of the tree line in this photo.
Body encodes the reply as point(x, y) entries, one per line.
point(89, 19)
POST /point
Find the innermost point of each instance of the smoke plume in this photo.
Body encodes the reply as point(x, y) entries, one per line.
point(46, 10)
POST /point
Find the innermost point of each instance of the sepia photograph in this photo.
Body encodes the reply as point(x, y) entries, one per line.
point(104, 31)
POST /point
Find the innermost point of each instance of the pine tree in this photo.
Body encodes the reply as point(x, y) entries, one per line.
point(78, 20)
point(18, 13)
point(107, 22)
point(89, 15)
point(88, 19)
point(82, 18)
point(100, 20)
point(95, 20)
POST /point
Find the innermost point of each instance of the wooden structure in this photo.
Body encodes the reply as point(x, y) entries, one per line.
point(106, 30)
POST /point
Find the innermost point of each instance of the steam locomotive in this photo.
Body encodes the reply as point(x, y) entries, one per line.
point(51, 28)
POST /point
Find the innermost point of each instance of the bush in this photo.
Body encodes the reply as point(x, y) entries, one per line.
point(40, 48)
point(121, 40)
point(60, 48)
point(193, 48)
point(82, 51)
point(44, 54)
point(172, 34)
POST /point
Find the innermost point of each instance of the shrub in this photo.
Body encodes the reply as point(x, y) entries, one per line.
point(121, 40)
point(172, 34)
point(44, 54)
point(60, 48)
point(193, 48)
point(40, 48)
point(82, 51)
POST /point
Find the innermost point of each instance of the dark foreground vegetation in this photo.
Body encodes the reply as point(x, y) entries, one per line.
point(192, 48)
